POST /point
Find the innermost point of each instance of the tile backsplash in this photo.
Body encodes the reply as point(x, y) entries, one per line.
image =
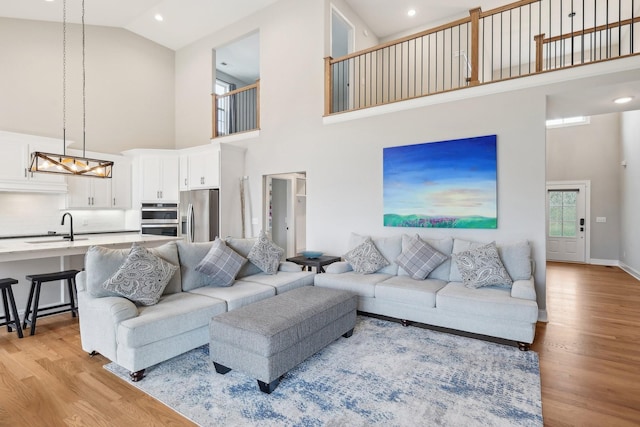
point(38, 213)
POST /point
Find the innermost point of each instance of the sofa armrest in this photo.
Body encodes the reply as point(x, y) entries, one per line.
point(99, 321)
point(524, 289)
point(289, 266)
point(338, 267)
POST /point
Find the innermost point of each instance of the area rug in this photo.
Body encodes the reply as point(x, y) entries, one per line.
point(385, 374)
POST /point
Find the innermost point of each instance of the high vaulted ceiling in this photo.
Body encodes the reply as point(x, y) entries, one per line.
point(186, 21)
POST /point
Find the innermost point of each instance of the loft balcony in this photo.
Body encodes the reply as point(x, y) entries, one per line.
point(520, 39)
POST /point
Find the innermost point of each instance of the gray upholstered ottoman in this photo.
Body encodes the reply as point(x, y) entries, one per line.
point(268, 338)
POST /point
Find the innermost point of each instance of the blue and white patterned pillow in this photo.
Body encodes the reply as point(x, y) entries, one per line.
point(221, 264)
point(265, 254)
point(419, 259)
point(366, 258)
point(482, 267)
point(142, 277)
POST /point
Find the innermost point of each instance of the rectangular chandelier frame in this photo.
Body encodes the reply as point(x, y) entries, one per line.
point(70, 165)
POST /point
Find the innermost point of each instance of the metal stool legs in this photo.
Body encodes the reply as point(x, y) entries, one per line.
point(10, 303)
point(32, 313)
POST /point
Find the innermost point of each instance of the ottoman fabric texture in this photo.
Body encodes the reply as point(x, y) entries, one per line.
point(269, 337)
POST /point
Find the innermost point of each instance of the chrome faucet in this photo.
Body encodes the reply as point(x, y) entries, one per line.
point(70, 236)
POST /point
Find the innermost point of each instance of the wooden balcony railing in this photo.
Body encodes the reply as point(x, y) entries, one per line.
point(515, 40)
point(236, 111)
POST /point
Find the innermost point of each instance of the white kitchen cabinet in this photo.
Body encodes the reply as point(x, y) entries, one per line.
point(159, 179)
point(85, 192)
point(16, 159)
point(184, 172)
point(121, 185)
point(204, 169)
point(200, 168)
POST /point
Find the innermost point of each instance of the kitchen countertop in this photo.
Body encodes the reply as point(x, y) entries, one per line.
point(17, 249)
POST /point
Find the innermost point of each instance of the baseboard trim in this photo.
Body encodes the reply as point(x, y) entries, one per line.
point(607, 262)
point(635, 273)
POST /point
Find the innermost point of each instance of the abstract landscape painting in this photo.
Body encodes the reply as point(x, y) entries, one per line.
point(446, 184)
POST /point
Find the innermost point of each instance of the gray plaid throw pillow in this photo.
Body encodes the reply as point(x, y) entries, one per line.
point(221, 264)
point(419, 258)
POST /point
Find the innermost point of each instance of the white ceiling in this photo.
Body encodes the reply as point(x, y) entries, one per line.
point(186, 21)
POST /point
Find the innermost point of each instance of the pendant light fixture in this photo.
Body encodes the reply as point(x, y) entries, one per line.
point(67, 164)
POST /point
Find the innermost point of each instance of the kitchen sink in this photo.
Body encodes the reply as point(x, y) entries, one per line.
point(57, 240)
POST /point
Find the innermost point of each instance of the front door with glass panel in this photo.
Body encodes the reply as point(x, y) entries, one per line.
point(566, 223)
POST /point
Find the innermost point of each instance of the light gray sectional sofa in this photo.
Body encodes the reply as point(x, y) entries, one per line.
point(136, 337)
point(442, 299)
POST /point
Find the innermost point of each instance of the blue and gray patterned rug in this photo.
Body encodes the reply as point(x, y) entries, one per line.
point(385, 374)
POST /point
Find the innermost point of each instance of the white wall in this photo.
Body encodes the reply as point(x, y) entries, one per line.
point(592, 152)
point(629, 178)
point(130, 81)
point(343, 161)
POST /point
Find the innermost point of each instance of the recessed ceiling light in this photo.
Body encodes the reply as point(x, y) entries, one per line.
point(623, 99)
point(158, 17)
point(48, 0)
point(411, 12)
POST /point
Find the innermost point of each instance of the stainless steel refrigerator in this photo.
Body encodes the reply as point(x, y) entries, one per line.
point(199, 215)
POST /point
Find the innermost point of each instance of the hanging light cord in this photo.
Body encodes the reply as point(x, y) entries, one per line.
point(84, 102)
point(64, 77)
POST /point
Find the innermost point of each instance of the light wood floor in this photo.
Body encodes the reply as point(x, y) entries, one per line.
point(589, 362)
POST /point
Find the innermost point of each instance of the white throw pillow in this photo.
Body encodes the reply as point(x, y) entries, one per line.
point(366, 258)
point(482, 267)
point(419, 259)
point(266, 254)
point(142, 277)
point(221, 264)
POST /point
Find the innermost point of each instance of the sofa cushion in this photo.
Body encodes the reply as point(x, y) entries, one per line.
point(444, 246)
point(175, 314)
point(101, 263)
point(221, 263)
point(516, 258)
point(361, 284)
point(243, 247)
point(419, 258)
point(410, 291)
point(482, 267)
point(142, 277)
point(283, 281)
point(389, 247)
point(238, 295)
point(487, 302)
point(366, 258)
point(190, 255)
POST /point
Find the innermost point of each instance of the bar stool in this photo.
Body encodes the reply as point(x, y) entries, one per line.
point(7, 291)
point(32, 302)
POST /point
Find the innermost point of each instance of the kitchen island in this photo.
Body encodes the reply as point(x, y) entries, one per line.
point(46, 254)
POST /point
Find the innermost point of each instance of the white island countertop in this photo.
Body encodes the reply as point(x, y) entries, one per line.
point(19, 249)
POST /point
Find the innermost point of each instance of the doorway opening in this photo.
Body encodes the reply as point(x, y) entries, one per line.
point(285, 210)
point(567, 219)
point(342, 43)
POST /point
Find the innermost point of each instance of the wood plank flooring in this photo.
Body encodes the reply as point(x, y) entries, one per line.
point(589, 361)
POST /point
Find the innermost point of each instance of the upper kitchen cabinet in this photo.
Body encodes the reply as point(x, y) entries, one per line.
point(183, 172)
point(155, 177)
point(100, 193)
point(204, 168)
point(16, 159)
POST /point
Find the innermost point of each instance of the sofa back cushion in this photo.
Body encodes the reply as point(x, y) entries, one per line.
point(243, 247)
point(444, 246)
point(101, 263)
point(389, 247)
point(516, 258)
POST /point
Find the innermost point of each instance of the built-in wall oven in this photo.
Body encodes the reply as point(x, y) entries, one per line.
point(161, 219)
